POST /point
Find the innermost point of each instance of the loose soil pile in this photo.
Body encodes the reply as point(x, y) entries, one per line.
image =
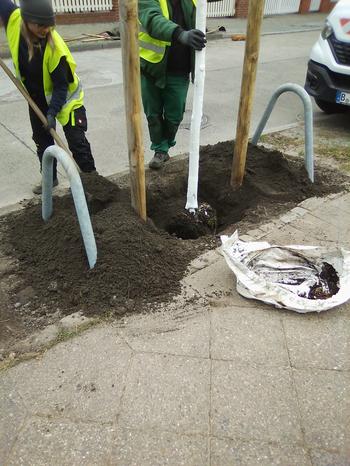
point(138, 263)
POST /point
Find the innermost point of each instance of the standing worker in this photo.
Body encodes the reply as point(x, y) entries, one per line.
point(167, 42)
point(46, 68)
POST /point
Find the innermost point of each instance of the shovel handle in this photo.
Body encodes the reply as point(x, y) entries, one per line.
point(35, 108)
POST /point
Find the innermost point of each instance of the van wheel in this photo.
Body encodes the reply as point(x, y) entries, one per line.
point(330, 107)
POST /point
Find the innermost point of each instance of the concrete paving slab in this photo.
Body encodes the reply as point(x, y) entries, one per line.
point(248, 335)
point(290, 235)
point(313, 203)
point(324, 402)
point(294, 214)
point(217, 282)
point(166, 334)
point(341, 311)
point(204, 260)
point(132, 448)
point(236, 300)
point(270, 226)
point(213, 281)
point(167, 393)
point(254, 403)
point(81, 379)
point(227, 452)
point(61, 443)
point(12, 416)
point(317, 342)
point(333, 207)
point(324, 231)
point(256, 234)
point(326, 458)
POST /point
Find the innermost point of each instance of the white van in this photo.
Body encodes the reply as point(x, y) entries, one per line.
point(328, 74)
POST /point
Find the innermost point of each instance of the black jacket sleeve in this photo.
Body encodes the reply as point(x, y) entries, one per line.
point(60, 86)
point(6, 8)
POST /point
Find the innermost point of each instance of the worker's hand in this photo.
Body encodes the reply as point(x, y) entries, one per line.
point(193, 38)
point(51, 122)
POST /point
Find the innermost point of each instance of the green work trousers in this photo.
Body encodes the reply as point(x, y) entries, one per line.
point(164, 109)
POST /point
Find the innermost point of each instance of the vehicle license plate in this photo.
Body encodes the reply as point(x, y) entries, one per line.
point(342, 98)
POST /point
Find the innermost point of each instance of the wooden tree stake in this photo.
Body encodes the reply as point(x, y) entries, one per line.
point(133, 107)
point(255, 15)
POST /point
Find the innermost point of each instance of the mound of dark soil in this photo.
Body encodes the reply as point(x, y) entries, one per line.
point(136, 261)
point(141, 262)
point(272, 183)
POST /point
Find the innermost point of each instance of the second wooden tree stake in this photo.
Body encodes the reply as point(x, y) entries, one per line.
point(255, 15)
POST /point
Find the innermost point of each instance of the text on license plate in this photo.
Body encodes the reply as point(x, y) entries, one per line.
point(342, 98)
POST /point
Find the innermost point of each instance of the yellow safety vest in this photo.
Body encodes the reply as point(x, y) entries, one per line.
point(51, 59)
point(151, 49)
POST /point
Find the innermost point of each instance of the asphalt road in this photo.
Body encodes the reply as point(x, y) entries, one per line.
point(283, 59)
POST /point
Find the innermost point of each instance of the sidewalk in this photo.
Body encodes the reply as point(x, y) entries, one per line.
point(218, 380)
point(271, 25)
point(212, 379)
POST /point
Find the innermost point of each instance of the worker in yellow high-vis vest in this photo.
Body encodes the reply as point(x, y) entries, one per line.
point(46, 68)
point(167, 42)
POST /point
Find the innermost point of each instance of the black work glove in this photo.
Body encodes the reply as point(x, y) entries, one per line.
point(51, 122)
point(193, 38)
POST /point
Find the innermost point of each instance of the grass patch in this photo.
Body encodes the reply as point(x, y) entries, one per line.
point(324, 148)
point(337, 152)
point(281, 141)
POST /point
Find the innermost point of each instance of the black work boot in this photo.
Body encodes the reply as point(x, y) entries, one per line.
point(158, 160)
point(37, 189)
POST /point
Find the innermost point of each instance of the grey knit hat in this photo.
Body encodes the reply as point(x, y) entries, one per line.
point(37, 11)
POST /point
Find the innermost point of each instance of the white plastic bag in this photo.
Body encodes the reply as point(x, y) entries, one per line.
point(287, 276)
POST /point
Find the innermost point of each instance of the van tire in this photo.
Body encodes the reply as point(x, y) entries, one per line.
point(330, 107)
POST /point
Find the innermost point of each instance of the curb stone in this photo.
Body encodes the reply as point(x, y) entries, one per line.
point(47, 336)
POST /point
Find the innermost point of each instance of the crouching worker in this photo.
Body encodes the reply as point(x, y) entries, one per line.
point(46, 68)
point(167, 42)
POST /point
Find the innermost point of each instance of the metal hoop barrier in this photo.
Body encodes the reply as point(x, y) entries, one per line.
point(55, 152)
point(308, 117)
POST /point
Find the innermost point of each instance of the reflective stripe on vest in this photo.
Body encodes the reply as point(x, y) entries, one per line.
point(151, 49)
point(51, 59)
point(70, 95)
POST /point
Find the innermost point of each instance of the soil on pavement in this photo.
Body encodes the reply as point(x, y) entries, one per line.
point(43, 268)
